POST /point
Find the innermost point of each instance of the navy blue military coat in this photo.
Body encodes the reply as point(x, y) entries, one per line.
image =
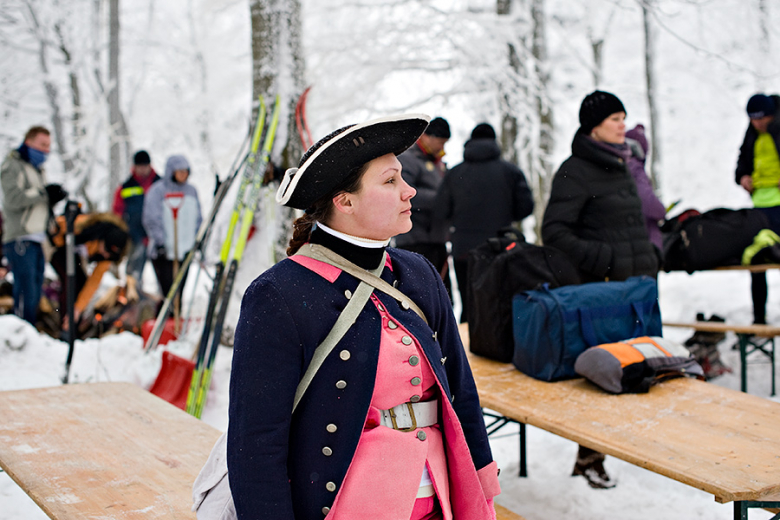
point(277, 466)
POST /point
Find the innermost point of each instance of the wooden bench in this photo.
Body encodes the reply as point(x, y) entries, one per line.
point(752, 338)
point(721, 441)
point(106, 450)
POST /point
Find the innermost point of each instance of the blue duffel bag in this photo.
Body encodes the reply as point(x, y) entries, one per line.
point(551, 327)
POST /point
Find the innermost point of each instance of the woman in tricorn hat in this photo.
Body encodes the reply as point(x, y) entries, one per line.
point(386, 424)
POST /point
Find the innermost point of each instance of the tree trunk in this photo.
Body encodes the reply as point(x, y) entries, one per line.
point(655, 147)
point(278, 68)
point(117, 134)
point(509, 124)
point(543, 170)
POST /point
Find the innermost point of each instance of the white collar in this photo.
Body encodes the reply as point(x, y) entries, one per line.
point(358, 241)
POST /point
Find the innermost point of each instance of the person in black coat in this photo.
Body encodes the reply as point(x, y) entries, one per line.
point(595, 216)
point(759, 177)
point(478, 197)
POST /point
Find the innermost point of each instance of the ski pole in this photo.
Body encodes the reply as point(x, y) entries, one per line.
point(71, 211)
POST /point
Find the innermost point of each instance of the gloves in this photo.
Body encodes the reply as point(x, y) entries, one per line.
point(159, 252)
point(55, 193)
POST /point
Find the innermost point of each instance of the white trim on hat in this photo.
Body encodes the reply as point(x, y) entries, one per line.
point(293, 175)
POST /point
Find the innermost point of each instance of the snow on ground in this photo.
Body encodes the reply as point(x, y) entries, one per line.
point(28, 360)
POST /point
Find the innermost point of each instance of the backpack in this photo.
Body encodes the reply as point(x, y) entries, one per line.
point(499, 269)
point(712, 239)
point(634, 365)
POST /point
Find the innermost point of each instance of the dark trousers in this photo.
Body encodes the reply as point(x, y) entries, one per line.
point(26, 261)
point(462, 275)
point(59, 261)
point(437, 255)
point(758, 286)
point(163, 269)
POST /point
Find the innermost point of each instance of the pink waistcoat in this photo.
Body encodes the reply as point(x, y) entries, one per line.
point(384, 475)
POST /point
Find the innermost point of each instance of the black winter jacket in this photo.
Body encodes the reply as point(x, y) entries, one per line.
point(423, 173)
point(481, 195)
point(595, 215)
point(747, 150)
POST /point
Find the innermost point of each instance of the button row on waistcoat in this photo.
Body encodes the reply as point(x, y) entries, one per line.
point(392, 325)
point(416, 381)
point(406, 340)
point(421, 435)
point(415, 399)
point(414, 360)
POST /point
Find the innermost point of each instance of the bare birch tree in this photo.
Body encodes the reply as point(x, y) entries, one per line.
point(652, 102)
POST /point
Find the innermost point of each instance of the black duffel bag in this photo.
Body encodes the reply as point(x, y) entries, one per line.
point(499, 269)
point(712, 239)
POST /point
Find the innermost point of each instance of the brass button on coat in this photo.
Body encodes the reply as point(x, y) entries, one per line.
point(416, 381)
point(392, 325)
point(341, 384)
point(325, 510)
point(330, 486)
point(406, 340)
point(345, 355)
point(405, 305)
point(331, 428)
point(348, 294)
point(415, 399)
point(421, 435)
point(327, 451)
point(414, 360)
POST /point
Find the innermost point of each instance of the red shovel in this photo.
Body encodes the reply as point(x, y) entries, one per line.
point(173, 381)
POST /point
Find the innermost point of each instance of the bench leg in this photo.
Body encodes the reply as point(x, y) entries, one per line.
point(499, 421)
point(523, 468)
point(743, 344)
point(741, 508)
point(767, 348)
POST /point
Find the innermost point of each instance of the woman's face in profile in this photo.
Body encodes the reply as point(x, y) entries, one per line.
point(382, 208)
point(612, 130)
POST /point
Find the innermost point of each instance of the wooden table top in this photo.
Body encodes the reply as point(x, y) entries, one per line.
point(102, 450)
point(767, 331)
point(724, 442)
point(758, 268)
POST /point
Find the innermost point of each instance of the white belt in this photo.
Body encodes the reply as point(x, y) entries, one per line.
point(410, 416)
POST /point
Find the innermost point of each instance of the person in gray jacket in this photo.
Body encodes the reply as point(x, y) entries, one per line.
point(423, 170)
point(478, 197)
point(27, 201)
point(171, 207)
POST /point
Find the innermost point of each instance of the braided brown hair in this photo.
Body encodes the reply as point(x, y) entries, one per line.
point(322, 209)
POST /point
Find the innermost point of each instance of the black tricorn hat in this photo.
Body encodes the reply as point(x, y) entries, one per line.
point(330, 160)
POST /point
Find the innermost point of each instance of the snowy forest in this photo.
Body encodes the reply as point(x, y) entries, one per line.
point(112, 76)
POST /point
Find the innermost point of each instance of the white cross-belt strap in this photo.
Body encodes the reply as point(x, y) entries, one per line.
point(410, 416)
point(343, 323)
point(323, 254)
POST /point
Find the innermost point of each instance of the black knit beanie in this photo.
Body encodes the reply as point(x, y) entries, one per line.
point(438, 127)
point(760, 105)
point(483, 131)
point(596, 107)
point(141, 157)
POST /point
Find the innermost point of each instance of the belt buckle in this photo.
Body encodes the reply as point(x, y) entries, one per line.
point(411, 414)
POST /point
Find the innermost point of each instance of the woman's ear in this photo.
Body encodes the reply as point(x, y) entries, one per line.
point(343, 203)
